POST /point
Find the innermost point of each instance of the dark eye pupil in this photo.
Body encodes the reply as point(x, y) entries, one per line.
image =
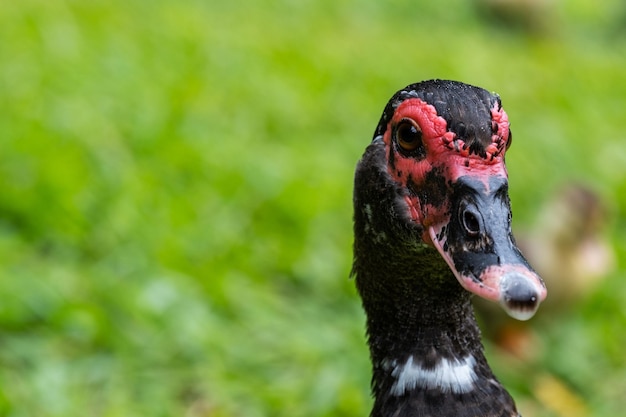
point(409, 136)
point(409, 133)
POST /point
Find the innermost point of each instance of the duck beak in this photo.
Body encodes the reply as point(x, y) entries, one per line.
point(477, 243)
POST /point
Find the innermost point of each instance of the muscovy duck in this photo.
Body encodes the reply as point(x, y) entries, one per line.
point(431, 211)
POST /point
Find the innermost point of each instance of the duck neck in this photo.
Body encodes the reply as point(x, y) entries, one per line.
point(424, 342)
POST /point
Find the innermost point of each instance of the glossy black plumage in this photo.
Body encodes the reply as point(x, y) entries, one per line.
point(416, 309)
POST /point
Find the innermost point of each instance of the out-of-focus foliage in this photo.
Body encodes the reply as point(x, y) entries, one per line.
point(175, 194)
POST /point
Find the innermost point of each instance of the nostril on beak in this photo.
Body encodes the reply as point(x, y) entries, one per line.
point(470, 220)
point(519, 296)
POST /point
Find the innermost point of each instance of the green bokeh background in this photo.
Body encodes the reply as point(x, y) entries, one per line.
point(175, 194)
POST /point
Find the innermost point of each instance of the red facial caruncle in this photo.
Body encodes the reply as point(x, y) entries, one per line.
point(454, 183)
point(442, 150)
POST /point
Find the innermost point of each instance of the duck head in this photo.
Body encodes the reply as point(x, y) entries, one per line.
point(443, 145)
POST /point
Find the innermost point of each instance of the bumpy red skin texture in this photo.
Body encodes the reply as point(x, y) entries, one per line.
point(453, 160)
point(445, 152)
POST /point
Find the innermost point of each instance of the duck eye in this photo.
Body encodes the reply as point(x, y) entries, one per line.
point(408, 135)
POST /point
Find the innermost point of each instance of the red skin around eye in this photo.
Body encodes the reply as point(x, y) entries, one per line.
point(444, 152)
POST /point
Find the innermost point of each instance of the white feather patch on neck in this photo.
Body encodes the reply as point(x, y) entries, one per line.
point(455, 376)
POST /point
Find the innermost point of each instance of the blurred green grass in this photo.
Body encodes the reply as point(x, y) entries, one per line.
point(175, 202)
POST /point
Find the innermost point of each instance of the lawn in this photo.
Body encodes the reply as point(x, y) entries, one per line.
point(175, 202)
